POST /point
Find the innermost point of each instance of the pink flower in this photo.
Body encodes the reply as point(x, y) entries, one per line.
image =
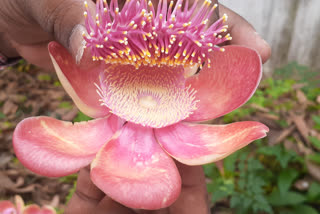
point(6, 207)
point(143, 89)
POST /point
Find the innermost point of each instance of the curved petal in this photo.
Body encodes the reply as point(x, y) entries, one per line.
point(19, 203)
point(79, 81)
point(133, 170)
point(230, 81)
point(35, 209)
point(197, 144)
point(7, 207)
point(55, 148)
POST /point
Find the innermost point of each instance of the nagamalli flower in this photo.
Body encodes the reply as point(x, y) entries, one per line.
point(7, 207)
point(154, 75)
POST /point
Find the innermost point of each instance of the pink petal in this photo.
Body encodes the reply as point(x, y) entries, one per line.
point(6, 207)
point(78, 81)
point(32, 209)
point(52, 147)
point(19, 203)
point(133, 170)
point(197, 144)
point(230, 82)
point(35, 209)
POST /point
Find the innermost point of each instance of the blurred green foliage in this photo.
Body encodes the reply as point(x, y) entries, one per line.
point(260, 178)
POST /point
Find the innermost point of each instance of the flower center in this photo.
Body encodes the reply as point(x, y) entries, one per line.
point(148, 102)
point(154, 97)
point(140, 35)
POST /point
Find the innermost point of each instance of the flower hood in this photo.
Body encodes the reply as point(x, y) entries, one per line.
point(146, 108)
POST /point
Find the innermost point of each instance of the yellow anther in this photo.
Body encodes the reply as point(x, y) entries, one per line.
point(198, 43)
point(125, 32)
point(170, 26)
point(143, 23)
point(224, 17)
point(185, 24)
point(173, 18)
point(184, 52)
point(131, 23)
point(108, 31)
point(193, 54)
point(85, 14)
point(215, 6)
point(222, 49)
point(160, 16)
point(181, 32)
point(180, 43)
point(86, 4)
point(150, 4)
point(111, 47)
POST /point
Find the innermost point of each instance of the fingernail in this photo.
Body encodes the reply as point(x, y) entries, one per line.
point(77, 42)
point(262, 40)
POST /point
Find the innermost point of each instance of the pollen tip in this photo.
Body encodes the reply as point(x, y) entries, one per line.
point(145, 29)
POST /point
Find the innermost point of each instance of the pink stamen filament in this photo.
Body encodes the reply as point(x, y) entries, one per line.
point(137, 35)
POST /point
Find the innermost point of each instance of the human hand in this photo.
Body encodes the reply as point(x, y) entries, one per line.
point(193, 198)
point(27, 26)
point(30, 24)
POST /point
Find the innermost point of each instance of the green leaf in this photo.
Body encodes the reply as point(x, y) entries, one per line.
point(304, 209)
point(285, 180)
point(65, 104)
point(44, 77)
point(315, 142)
point(316, 119)
point(81, 117)
point(229, 163)
point(314, 191)
point(288, 198)
point(2, 116)
point(211, 171)
point(314, 158)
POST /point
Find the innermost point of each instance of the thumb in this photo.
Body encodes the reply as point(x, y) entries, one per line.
point(64, 20)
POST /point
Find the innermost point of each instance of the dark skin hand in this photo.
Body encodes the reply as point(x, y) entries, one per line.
point(193, 199)
point(26, 28)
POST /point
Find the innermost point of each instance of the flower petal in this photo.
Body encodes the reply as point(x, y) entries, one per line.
point(196, 144)
point(78, 81)
point(19, 203)
point(35, 209)
point(133, 170)
point(52, 147)
point(232, 79)
point(7, 207)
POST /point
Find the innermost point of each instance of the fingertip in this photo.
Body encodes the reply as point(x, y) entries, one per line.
point(244, 34)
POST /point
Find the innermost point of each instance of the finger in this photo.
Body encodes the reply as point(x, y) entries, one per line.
point(63, 19)
point(86, 197)
point(109, 206)
point(193, 197)
point(244, 34)
point(36, 53)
